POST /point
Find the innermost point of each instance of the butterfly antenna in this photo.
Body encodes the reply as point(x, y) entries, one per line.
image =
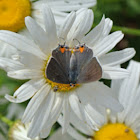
point(63, 40)
point(77, 40)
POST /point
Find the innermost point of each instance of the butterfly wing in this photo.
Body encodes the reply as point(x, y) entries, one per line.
point(90, 72)
point(83, 57)
point(63, 59)
point(55, 72)
point(78, 60)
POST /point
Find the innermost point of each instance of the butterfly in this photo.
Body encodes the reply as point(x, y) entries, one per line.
point(73, 65)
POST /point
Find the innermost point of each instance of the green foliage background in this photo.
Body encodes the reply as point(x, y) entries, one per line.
point(125, 15)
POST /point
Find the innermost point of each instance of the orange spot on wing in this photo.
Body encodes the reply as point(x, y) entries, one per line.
point(81, 49)
point(62, 50)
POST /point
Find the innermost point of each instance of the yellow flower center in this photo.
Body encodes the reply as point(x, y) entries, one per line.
point(13, 13)
point(62, 87)
point(115, 131)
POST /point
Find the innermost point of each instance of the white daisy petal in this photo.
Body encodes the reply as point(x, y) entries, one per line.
point(21, 43)
point(59, 18)
point(107, 43)
point(79, 124)
point(45, 132)
point(116, 85)
point(58, 135)
point(26, 91)
point(113, 58)
point(7, 50)
point(93, 115)
point(84, 26)
point(72, 131)
point(29, 60)
point(25, 74)
point(10, 65)
point(133, 120)
point(131, 84)
point(86, 98)
point(102, 97)
point(107, 27)
point(56, 110)
point(50, 27)
point(75, 134)
point(94, 35)
point(35, 102)
point(127, 98)
point(62, 5)
point(66, 114)
point(85, 115)
point(81, 26)
point(41, 115)
point(39, 37)
point(114, 73)
point(64, 28)
point(74, 102)
point(134, 105)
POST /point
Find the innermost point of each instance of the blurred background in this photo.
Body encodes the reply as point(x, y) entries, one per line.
point(126, 17)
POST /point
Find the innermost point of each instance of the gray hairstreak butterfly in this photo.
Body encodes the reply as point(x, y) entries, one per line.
point(73, 65)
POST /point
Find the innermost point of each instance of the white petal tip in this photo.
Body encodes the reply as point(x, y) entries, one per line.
point(10, 98)
point(121, 34)
point(27, 18)
point(11, 74)
point(133, 51)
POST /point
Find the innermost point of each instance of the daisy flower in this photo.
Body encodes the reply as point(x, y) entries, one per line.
point(13, 13)
point(18, 131)
point(36, 62)
point(122, 126)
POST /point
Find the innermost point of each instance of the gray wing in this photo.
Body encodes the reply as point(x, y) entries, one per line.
point(63, 59)
point(92, 71)
point(55, 73)
point(83, 58)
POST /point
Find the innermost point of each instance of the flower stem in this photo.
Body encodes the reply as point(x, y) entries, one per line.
point(126, 30)
point(6, 120)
